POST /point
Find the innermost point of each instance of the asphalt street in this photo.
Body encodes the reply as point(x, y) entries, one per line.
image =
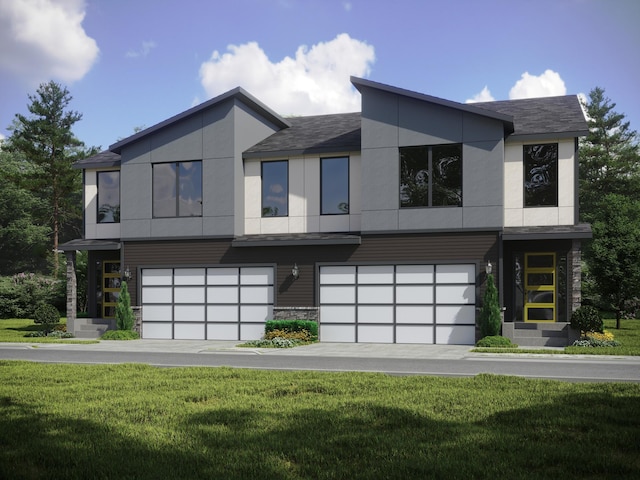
point(444, 360)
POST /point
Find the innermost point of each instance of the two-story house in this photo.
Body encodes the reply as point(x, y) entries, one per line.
point(382, 221)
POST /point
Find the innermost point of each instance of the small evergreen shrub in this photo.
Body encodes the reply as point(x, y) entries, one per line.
point(490, 318)
point(120, 335)
point(587, 319)
point(496, 341)
point(291, 326)
point(125, 319)
point(46, 315)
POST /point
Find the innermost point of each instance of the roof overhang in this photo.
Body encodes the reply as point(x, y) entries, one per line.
point(296, 239)
point(555, 232)
point(89, 244)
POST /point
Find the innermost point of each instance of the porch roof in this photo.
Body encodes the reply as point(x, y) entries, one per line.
point(553, 232)
point(89, 244)
point(296, 239)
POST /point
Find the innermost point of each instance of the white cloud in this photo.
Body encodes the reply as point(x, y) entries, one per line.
point(483, 96)
point(549, 84)
point(315, 81)
point(143, 51)
point(347, 6)
point(41, 39)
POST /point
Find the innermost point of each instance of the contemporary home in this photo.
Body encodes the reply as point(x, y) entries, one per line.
point(379, 224)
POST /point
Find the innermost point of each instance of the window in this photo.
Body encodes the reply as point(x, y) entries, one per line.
point(275, 189)
point(541, 175)
point(334, 181)
point(109, 197)
point(431, 176)
point(177, 189)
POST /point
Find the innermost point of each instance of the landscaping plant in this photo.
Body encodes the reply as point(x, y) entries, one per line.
point(587, 319)
point(125, 318)
point(46, 315)
point(490, 319)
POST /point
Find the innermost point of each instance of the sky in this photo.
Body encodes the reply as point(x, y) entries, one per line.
point(130, 64)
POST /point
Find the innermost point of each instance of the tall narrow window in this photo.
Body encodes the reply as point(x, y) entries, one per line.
point(275, 189)
point(109, 197)
point(334, 179)
point(431, 176)
point(541, 175)
point(177, 189)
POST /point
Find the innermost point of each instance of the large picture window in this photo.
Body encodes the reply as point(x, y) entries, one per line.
point(541, 175)
point(431, 176)
point(109, 197)
point(334, 180)
point(275, 189)
point(177, 189)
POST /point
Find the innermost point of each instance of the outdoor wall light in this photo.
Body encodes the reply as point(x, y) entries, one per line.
point(295, 271)
point(127, 274)
point(489, 268)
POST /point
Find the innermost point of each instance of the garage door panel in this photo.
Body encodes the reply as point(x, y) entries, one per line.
point(375, 314)
point(414, 314)
point(455, 274)
point(158, 330)
point(414, 334)
point(375, 274)
point(256, 294)
point(414, 294)
point(159, 313)
point(188, 313)
point(456, 335)
point(222, 294)
point(375, 333)
point(344, 294)
point(157, 276)
point(256, 313)
point(250, 331)
point(338, 276)
point(375, 294)
point(222, 331)
point(223, 276)
point(157, 295)
point(338, 314)
point(256, 276)
point(414, 273)
point(189, 276)
point(222, 313)
point(189, 331)
point(456, 314)
point(189, 295)
point(338, 333)
point(456, 294)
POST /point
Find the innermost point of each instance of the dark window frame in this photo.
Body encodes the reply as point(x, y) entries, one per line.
point(98, 198)
point(177, 190)
point(348, 160)
point(262, 192)
point(526, 201)
point(430, 175)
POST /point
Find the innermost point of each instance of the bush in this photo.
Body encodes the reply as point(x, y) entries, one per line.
point(490, 318)
point(120, 335)
point(302, 335)
point(587, 319)
point(496, 341)
point(125, 319)
point(46, 315)
point(292, 326)
point(276, 342)
point(21, 293)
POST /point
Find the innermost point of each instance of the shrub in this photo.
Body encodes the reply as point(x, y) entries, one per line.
point(120, 335)
point(46, 315)
point(277, 342)
point(293, 326)
point(125, 319)
point(302, 335)
point(587, 319)
point(496, 341)
point(21, 293)
point(490, 318)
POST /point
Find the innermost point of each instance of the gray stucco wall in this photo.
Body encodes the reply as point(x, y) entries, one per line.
point(217, 136)
point(390, 121)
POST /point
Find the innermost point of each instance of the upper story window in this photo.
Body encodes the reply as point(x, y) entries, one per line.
point(109, 197)
point(541, 175)
point(177, 189)
point(334, 181)
point(275, 189)
point(431, 176)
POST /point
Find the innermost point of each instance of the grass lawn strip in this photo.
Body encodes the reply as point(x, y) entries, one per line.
point(15, 329)
point(141, 422)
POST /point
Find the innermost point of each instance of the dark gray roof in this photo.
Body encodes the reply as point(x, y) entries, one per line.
point(104, 159)
point(547, 116)
point(314, 134)
point(237, 93)
point(89, 244)
point(292, 239)
point(553, 232)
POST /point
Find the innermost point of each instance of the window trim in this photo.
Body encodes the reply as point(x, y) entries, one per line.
point(430, 176)
point(348, 159)
point(262, 164)
point(177, 190)
point(524, 175)
point(98, 196)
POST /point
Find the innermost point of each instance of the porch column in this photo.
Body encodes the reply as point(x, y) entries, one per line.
point(576, 275)
point(71, 290)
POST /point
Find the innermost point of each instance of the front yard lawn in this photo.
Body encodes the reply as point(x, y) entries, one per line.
point(142, 422)
point(15, 329)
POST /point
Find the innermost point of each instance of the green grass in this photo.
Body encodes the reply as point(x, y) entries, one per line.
point(15, 329)
point(141, 422)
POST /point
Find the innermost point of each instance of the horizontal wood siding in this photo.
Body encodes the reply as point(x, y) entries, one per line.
point(419, 248)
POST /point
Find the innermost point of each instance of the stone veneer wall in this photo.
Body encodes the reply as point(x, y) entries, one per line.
point(296, 313)
point(71, 290)
point(576, 275)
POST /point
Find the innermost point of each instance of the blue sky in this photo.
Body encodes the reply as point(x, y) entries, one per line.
point(134, 63)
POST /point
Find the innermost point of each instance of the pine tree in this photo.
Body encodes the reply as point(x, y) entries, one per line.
point(124, 314)
point(490, 318)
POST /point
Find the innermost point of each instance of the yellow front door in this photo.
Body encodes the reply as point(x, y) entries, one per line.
point(540, 287)
point(110, 287)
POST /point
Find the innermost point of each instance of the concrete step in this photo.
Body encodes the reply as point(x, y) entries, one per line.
point(540, 333)
point(541, 341)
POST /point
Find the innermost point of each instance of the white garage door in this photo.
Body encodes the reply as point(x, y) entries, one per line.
point(398, 304)
point(206, 303)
